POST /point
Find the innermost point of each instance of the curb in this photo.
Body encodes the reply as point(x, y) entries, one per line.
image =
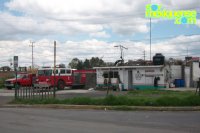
point(93, 107)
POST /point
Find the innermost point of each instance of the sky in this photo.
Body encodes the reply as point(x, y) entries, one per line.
point(91, 28)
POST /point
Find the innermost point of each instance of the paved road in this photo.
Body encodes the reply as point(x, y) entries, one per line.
point(15, 120)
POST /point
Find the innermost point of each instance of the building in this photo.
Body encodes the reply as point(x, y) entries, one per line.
point(149, 77)
point(134, 77)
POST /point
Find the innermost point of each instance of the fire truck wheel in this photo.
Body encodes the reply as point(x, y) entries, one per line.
point(61, 85)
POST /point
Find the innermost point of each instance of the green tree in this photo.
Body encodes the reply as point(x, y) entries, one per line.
point(74, 63)
point(97, 62)
point(80, 65)
point(86, 64)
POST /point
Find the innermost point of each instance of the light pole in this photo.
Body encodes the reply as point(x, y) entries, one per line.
point(121, 50)
point(32, 53)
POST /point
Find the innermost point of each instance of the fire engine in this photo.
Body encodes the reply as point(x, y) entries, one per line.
point(64, 77)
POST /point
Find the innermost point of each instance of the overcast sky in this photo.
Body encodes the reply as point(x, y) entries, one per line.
point(88, 28)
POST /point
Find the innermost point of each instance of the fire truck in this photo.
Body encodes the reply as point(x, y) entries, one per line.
point(64, 77)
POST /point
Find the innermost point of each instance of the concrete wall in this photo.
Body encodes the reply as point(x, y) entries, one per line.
point(176, 72)
point(196, 71)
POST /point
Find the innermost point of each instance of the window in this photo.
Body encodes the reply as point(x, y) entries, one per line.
point(105, 74)
point(111, 74)
point(68, 71)
point(40, 72)
point(62, 71)
point(44, 72)
point(48, 72)
point(116, 75)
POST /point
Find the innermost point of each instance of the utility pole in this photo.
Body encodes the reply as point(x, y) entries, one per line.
point(54, 87)
point(32, 51)
point(144, 55)
point(121, 50)
point(150, 35)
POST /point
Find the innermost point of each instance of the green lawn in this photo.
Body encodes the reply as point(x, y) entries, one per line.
point(132, 98)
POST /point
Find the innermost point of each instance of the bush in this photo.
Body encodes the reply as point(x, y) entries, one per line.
point(2, 80)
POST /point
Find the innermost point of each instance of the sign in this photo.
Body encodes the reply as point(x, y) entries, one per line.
point(179, 16)
point(15, 62)
point(138, 75)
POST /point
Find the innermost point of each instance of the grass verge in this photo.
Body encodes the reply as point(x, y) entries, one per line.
point(134, 98)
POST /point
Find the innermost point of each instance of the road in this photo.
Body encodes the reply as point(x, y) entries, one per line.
point(23, 120)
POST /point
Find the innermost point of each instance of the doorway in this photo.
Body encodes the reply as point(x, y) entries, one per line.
point(130, 79)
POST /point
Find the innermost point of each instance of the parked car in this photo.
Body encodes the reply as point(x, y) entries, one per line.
point(23, 79)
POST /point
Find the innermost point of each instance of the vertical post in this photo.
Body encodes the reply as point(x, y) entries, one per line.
point(54, 89)
point(150, 39)
point(15, 68)
point(16, 83)
point(150, 35)
point(32, 53)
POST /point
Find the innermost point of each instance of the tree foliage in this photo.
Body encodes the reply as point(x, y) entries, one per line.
point(87, 63)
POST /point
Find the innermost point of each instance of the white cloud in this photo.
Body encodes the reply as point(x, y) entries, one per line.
point(66, 51)
point(27, 19)
point(72, 17)
point(198, 23)
point(101, 34)
point(76, 17)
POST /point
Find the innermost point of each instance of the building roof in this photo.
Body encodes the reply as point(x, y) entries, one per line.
point(125, 67)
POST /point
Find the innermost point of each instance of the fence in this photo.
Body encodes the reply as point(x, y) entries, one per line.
point(30, 92)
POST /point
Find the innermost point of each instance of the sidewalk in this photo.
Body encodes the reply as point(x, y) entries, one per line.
point(106, 108)
point(180, 89)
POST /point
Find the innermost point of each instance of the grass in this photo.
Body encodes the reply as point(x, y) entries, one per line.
point(2, 82)
point(133, 98)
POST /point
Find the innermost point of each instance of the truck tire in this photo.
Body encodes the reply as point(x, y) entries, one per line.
point(61, 85)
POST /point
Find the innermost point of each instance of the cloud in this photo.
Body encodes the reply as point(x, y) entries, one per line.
point(198, 23)
point(74, 17)
point(177, 47)
point(101, 34)
point(43, 18)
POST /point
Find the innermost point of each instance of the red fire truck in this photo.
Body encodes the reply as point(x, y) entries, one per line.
point(63, 77)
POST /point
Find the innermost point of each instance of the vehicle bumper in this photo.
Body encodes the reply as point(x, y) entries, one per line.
point(9, 85)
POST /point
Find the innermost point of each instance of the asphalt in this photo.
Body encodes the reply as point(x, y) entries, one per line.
point(23, 120)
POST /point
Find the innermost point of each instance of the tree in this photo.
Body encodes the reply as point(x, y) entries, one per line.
point(80, 65)
point(74, 63)
point(96, 62)
point(86, 64)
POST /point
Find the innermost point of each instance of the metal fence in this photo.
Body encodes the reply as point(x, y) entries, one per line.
point(30, 92)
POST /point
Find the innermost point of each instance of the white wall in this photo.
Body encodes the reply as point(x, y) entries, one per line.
point(196, 71)
point(125, 79)
point(100, 79)
point(176, 72)
point(187, 76)
point(146, 76)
